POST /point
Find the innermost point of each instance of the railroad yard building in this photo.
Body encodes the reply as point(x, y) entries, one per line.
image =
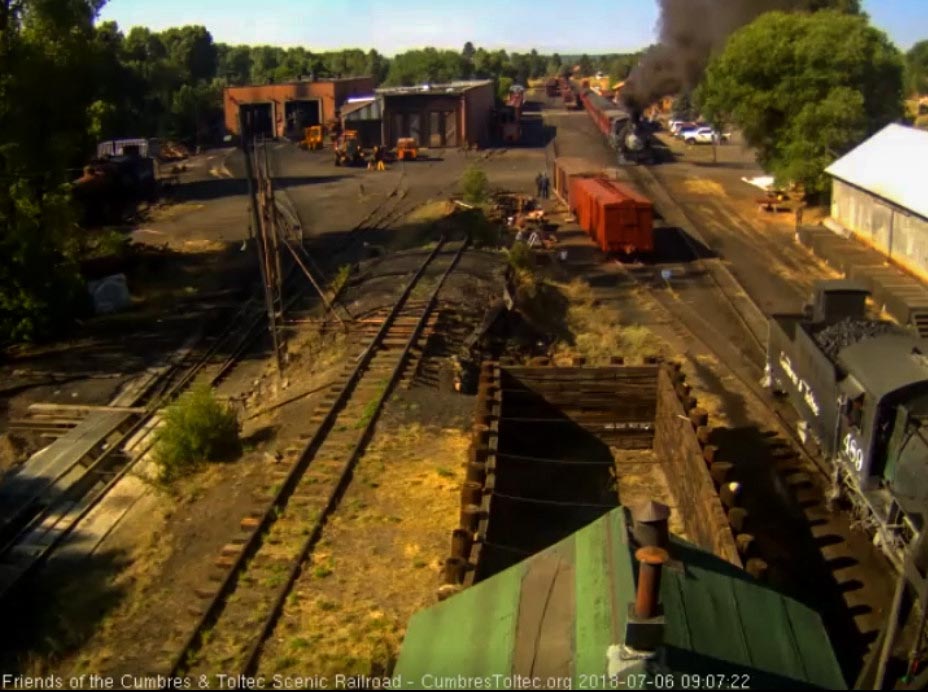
point(285, 110)
point(435, 115)
point(880, 196)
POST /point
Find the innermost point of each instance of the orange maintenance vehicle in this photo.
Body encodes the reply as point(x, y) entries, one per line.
point(407, 149)
point(314, 138)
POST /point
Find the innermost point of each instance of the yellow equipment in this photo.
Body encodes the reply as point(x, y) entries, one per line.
point(348, 152)
point(314, 138)
point(407, 149)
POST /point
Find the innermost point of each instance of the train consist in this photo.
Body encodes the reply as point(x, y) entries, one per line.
point(860, 387)
point(624, 131)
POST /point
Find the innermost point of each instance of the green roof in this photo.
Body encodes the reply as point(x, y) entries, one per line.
point(556, 614)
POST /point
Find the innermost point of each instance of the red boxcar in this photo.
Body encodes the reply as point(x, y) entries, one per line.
point(566, 168)
point(622, 221)
point(618, 219)
point(580, 200)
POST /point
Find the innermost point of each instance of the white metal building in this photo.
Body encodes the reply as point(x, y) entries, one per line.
point(880, 195)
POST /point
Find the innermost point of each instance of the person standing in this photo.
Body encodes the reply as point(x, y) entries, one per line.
point(544, 186)
point(538, 185)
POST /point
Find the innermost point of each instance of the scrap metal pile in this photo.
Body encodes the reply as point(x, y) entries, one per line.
point(838, 336)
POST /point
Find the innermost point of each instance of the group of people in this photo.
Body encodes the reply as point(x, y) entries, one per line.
point(541, 186)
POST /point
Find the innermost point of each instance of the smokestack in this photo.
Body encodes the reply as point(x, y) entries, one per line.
point(650, 524)
point(651, 560)
point(690, 32)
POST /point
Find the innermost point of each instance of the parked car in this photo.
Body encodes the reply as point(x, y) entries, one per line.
point(678, 125)
point(705, 135)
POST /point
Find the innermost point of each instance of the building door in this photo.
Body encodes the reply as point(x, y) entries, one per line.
point(299, 115)
point(397, 129)
point(436, 129)
point(451, 129)
point(415, 130)
point(257, 119)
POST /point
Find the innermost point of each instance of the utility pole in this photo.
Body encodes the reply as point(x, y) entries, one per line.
point(249, 172)
point(257, 194)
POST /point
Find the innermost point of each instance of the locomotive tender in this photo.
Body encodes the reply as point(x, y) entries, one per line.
point(860, 387)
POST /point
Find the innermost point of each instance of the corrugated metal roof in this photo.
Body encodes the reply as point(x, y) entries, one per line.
point(891, 165)
point(437, 89)
point(556, 614)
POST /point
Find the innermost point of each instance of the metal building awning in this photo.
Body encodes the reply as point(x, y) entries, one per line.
point(368, 109)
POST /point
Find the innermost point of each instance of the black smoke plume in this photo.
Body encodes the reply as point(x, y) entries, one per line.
point(690, 31)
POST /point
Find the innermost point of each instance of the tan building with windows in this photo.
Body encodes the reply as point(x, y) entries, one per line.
point(438, 115)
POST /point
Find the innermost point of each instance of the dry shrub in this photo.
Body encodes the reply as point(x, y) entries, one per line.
point(597, 335)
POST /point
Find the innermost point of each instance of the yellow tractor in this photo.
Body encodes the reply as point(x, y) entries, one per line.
point(314, 138)
point(348, 152)
point(407, 149)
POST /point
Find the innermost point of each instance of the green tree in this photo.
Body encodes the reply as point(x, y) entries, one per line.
point(916, 66)
point(191, 53)
point(503, 85)
point(474, 184)
point(804, 89)
point(586, 65)
point(426, 66)
point(234, 63)
point(43, 133)
point(554, 65)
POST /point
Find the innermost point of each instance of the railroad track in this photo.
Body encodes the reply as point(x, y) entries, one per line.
point(45, 516)
point(704, 331)
point(256, 572)
point(801, 473)
point(40, 516)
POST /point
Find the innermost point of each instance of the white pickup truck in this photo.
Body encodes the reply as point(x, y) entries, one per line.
point(705, 135)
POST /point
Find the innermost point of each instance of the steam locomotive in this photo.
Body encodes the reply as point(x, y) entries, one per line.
point(860, 387)
point(624, 130)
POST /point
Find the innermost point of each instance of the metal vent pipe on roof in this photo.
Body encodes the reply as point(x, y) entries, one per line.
point(650, 524)
point(651, 559)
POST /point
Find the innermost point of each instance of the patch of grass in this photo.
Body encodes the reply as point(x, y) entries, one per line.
point(341, 278)
point(419, 563)
point(371, 407)
point(196, 428)
point(284, 662)
point(275, 579)
point(328, 606)
point(322, 571)
point(444, 472)
point(299, 643)
point(596, 338)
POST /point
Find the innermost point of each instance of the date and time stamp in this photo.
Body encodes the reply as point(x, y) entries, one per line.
point(624, 681)
point(664, 681)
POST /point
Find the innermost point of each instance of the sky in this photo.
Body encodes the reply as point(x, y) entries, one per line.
point(393, 26)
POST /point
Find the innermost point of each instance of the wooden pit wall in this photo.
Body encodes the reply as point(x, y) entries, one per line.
point(680, 442)
point(714, 521)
